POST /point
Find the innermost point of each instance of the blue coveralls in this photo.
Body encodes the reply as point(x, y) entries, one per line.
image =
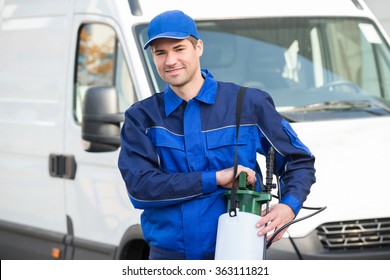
point(171, 150)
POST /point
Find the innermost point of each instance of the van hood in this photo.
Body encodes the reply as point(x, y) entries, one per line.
point(351, 171)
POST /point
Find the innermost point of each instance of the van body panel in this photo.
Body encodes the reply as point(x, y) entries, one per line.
point(89, 215)
point(379, 8)
point(264, 8)
point(31, 114)
point(349, 167)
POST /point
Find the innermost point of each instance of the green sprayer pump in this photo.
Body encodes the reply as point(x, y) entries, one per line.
point(250, 201)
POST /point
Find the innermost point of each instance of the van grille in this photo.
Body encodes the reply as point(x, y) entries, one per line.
point(352, 235)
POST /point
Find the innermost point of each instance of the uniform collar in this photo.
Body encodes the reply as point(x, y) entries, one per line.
point(206, 94)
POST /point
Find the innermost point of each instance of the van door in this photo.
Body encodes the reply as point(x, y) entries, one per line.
point(32, 78)
point(97, 203)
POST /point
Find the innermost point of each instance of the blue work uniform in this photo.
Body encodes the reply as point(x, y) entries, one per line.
point(171, 150)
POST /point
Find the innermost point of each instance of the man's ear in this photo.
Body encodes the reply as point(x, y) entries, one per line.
point(199, 47)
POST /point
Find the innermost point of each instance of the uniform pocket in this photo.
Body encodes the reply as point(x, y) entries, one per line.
point(221, 146)
point(170, 149)
point(161, 137)
point(226, 137)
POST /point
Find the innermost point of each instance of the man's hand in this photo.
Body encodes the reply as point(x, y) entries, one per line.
point(279, 215)
point(225, 176)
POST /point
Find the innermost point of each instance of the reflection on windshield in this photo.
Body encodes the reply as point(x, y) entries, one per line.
point(299, 61)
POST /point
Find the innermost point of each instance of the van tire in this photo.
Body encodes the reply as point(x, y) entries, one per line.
point(133, 246)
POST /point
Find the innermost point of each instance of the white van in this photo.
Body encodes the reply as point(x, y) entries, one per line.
point(69, 69)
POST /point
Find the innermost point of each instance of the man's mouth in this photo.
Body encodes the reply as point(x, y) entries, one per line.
point(173, 71)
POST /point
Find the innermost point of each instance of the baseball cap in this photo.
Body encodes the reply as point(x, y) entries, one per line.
point(171, 24)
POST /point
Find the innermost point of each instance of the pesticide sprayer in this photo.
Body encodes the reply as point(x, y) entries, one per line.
point(244, 211)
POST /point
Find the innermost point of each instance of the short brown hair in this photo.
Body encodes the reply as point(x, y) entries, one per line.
point(193, 41)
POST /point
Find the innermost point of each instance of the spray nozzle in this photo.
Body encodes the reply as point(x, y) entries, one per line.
point(270, 164)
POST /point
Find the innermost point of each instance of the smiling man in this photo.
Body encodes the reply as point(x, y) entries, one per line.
point(178, 148)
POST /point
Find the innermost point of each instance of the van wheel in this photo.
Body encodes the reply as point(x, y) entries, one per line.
point(136, 249)
point(133, 246)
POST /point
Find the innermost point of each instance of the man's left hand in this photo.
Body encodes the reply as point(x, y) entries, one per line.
point(279, 215)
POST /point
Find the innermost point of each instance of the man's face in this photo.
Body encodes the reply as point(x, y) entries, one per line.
point(177, 61)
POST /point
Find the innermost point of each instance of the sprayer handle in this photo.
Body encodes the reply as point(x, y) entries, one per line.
point(242, 182)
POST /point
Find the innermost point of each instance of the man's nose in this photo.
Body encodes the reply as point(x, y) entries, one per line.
point(171, 58)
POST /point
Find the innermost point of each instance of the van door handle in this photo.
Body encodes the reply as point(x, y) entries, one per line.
point(62, 166)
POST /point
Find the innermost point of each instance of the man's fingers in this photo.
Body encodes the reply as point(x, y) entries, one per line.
point(263, 221)
point(250, 174)
point(266, 229)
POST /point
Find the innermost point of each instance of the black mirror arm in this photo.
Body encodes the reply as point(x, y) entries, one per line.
point(106, 118)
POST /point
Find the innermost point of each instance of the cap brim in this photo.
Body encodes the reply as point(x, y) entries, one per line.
point(169, 35)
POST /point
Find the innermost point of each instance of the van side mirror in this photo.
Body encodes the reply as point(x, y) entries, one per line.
point(101, 119)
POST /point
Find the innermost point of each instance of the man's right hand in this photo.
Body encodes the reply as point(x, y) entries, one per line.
point(225, 177)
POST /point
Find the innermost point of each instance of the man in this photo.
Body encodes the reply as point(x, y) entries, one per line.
point(178, 148)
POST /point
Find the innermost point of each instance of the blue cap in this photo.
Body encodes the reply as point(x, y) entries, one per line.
point(171, 24)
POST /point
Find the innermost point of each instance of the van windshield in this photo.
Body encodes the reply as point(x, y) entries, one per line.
point(314, 68)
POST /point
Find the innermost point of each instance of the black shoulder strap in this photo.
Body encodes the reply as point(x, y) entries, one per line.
point(234, 203)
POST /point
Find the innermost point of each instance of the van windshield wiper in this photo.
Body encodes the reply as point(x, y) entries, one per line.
point(341, 105)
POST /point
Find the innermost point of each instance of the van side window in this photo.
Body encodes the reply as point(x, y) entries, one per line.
point(100, 61)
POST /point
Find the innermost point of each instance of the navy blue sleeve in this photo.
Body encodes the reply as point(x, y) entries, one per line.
point(146, 184)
